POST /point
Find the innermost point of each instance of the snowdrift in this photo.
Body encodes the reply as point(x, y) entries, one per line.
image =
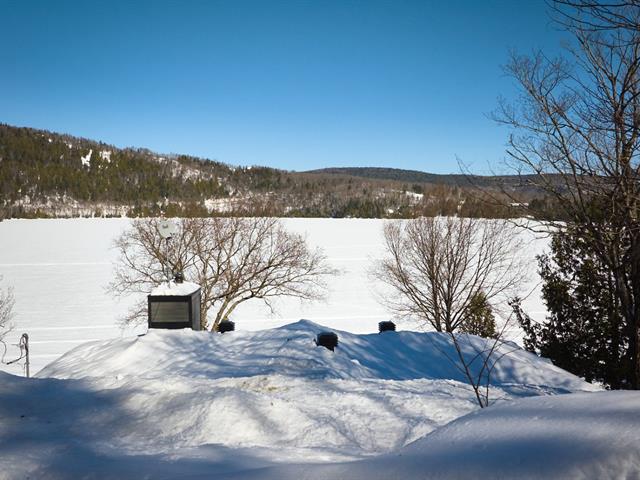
point(566, 437)
point(290, 350)
point(275, 387)
point(183, 403)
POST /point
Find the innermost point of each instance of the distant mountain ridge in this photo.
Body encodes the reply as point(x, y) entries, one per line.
point(47, 174)
point(402, 175)
point(387, 173)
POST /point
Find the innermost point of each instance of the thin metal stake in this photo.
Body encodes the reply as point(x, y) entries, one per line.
point(24, 343)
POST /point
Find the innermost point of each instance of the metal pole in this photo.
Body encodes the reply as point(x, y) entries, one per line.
point(23, 344)
point(168, 264)
point(26, 349)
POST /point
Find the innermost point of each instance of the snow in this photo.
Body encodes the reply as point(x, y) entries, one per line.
point(59, 270)
point(105, 155)
point(173, 289)
point(263, 403)
point(291, 350)
point(223, 205)
point(566, 437)
point(414, 195)
point(86, 160)
point(271, 404)
point(573, 436)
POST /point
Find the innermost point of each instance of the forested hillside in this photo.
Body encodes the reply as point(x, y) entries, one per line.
point(414, 176)
point(45, 174)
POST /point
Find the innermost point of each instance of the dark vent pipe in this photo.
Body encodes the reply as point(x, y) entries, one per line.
point(327, 340)
point(386, 327)
point(226, 326)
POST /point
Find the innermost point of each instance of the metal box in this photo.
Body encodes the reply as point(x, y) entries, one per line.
point(174, 305)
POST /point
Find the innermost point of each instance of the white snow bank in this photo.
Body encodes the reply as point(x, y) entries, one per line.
point(65, 429)
point(291, 350)
point(566, 437)
point(198, 405)
point(271, 388)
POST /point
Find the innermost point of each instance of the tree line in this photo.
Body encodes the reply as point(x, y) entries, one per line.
point(44, 174)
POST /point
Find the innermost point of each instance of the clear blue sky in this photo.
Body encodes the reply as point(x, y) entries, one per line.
point(290, 84)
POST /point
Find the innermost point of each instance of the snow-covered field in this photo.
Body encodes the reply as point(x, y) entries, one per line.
point(59, 269)
point(267, 403)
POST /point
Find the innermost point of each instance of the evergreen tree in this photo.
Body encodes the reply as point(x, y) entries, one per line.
point(585, 331)
point(479, 318)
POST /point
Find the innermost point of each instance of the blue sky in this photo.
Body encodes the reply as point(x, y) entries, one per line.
point(290, 84)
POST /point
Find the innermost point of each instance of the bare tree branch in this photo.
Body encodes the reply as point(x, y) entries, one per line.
point(576, 129)
point(7, 302)
point(436, 266)
point(234, 260)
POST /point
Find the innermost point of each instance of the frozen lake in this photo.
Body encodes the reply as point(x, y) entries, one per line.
point(59, 270)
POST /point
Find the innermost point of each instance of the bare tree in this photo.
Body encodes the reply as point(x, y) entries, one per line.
point(6, 314)
point(597, 16)
point(576, 133)
point(233, 260)
point(477, 357)
point(6, 308)
point(437, 268)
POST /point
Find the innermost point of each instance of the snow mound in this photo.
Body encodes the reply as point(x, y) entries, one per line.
point(276, 388)
point(264, 404)
point(575, 436)
point(291, 351)
point(567, 437)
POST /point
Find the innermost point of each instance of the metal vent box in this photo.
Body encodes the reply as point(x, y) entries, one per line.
point(175, 305)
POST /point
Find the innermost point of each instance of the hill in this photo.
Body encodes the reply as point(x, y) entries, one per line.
point(397, 174)
point(521, 182)
point(46, 174)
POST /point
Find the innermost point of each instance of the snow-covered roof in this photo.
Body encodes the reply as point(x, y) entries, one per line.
point(376, 393)
point(173, 289)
